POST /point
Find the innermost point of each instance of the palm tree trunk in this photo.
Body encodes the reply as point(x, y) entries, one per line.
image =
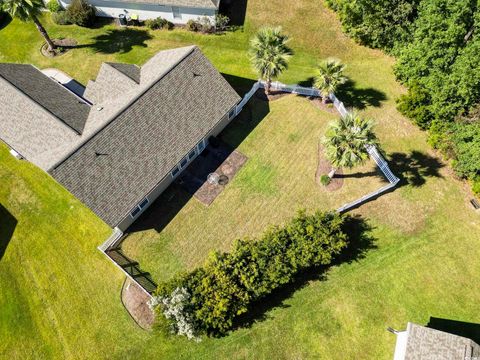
point(324, 98)
point(267, 86)
point(44, 33)
point(332, 172)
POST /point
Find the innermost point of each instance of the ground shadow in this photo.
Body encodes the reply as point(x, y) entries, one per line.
point(360, 242)
point(7, 227)
point(240, 84)
point(414, 168)
point(460, 328)
point(235, 10)
point(362, 175)
point(174, 198)
point(5, 19)
point(118, 41)
point(359, 98)
point(307, 82)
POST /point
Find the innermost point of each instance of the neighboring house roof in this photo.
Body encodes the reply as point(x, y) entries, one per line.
point(423, 343)
point(50, 95)
point(129, 70)
point(201, 4)
point(117, 167)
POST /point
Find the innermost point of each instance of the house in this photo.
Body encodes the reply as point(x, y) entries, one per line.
point(423, 343)
point(175, 11)
point(134, 130)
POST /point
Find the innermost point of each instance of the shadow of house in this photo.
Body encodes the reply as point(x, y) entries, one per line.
point(360, 242)
point(240, 84)
point(174, 198)
point(359, 98)
point(414, 168)
point(455, 327)
point(235, 10)
point(118, 41)
point(7, 227)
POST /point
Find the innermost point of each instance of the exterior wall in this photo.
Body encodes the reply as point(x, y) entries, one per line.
point(166, 181)
point(145, 11)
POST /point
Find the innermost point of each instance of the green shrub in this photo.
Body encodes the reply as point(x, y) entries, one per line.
point(415, 105)
point(81, 13)
point(213, 296)
point(192, 25)
point(221, 22)
point(159, 23)
point(61, 18)
point(325, 180)
point(54, 6)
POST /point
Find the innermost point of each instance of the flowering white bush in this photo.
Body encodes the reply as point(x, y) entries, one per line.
point(173, 308)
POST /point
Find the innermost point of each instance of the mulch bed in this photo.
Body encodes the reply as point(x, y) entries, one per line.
point(274, 95)
point(135, 301)
point(324, 168)
point(328, 107)
point(63, 46)
point(220, 160)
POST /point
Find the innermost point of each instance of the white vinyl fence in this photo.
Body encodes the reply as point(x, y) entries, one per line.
point(372, 151)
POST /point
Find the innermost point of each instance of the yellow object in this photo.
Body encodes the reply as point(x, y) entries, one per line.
point(134, 17)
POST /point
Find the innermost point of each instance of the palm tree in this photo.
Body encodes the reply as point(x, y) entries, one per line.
point(330, 75)
point(269, 54)
point(346, 141)
point(27, 10)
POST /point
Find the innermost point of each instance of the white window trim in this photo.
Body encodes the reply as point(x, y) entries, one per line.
point(139, 208)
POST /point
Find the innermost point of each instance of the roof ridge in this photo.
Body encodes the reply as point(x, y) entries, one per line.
point(124, 107)
point(110, 64)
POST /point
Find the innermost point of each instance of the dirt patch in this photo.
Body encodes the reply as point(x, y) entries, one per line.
point(135, 301)
point(324, 168)
point(62, 47)
point(220, 160)
point(318, 103)
point(274, 95)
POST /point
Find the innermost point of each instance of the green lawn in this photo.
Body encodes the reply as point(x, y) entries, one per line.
point(59, 296)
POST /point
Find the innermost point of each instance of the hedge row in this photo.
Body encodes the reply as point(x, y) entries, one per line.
point(210, 298)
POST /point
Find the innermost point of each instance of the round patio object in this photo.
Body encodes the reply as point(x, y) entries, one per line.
point(213, 178)
point(223, 180)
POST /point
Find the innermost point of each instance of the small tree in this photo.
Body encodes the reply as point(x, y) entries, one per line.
point(346, 141)
point(28, 10)
point(269, 54)
point(330, 75)
point(81, 13)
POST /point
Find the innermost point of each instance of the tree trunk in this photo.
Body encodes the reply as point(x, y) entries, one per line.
point(332, 172)
point(44, 33)
point(267, 86)
point(324, 98)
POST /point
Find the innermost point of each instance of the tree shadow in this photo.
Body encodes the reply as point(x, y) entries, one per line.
point(360, 242)
point(235, 10)
point(118, 41)
point(414, 168)
point(460, 328)
point(362, 175)
point(7, 227)
point(5, 19)
point(359, 98)
point(307, 82)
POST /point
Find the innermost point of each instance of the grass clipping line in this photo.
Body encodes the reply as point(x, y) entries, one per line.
point(210, 299)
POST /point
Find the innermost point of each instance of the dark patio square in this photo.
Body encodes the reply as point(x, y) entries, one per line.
point(219, 158)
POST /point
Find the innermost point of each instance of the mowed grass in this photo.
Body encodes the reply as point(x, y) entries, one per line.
point(59, 297)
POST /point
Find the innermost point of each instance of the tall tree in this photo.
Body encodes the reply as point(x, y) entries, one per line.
point(346, 141)
point(28, 10)
point(269, 54)
point(330, 76)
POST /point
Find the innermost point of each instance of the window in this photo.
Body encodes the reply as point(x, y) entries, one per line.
point(231, 114)
point(201, 146)
point(176, 12)
point(135, 212)
point(192, 154)
point(175, 171)
point(143, 203)
point(183, 162)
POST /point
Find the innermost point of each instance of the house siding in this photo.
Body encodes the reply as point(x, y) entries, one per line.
point(146, 11)
point(166, 181)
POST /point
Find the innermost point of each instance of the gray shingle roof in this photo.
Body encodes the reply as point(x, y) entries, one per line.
point(201, 4)
point(147, 139)
point(424, 343)
point(47, 93)
point(129, 70)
